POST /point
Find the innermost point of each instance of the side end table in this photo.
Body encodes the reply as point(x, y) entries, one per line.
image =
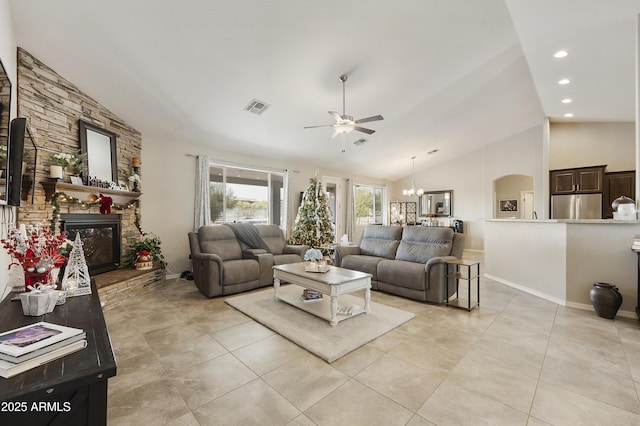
point(454, 269)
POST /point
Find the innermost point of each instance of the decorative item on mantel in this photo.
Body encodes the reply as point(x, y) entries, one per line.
point(37, 251)
point(76, 280)
point(63, 163)
point(134, 181)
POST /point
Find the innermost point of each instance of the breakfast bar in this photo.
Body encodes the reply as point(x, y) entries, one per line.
point(561, 259)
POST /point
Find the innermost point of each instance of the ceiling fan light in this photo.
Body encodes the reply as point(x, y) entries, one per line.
point(344, 128)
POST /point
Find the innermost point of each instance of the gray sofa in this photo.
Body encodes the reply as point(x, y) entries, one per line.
point(222, 264)
point(405, 261)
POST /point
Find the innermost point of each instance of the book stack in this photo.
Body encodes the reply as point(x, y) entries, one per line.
point(636, 243)
point(311, 296)
point(28, 347)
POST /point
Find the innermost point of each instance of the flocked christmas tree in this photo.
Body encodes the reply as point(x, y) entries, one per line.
point(76, 280)
point(313, 226)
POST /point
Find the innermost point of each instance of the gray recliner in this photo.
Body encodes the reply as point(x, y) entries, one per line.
point(223, 265)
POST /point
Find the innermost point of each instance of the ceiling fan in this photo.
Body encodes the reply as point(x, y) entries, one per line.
point(345, 123)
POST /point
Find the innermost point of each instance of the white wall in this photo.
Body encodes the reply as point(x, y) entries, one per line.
point(471, 179)
point(592, 144)
point(8, 57)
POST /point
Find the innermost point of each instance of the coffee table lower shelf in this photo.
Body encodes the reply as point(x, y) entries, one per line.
point(322, 308)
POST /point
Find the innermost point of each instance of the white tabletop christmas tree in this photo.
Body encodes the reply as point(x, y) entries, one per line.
point(76, 280)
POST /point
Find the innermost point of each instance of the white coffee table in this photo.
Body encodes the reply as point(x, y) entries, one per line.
point(333, 283)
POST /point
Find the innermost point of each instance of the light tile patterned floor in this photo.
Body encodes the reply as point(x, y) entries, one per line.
point(517, 360)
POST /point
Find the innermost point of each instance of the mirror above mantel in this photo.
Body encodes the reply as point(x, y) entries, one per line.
point(436, 203)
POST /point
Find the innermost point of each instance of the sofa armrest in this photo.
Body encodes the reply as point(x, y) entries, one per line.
point(252, 253)
point(344, 251)
point(434, 271)
point(299, 249)
point(207, 273)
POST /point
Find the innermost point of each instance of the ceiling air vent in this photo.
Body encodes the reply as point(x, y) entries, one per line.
point(256, 107)
point(360, 142)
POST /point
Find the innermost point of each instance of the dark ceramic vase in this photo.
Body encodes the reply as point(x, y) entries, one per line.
point(606, 300)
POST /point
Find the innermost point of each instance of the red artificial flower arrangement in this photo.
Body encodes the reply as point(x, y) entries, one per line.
point(37, 250)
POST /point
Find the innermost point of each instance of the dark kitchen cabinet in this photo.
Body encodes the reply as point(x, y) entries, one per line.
point(617, 184)
point(577, 181)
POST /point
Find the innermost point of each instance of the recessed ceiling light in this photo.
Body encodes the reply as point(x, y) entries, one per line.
point(566, 101)
point(560, 54)
point(568, 115)
point(564, 81)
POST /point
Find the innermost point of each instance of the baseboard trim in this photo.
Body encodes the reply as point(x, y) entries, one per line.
point(561, 302)
point(540, 294)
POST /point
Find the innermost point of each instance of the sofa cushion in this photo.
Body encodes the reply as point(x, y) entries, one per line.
point(273, 238)
point(240, 271)
point(366, 264)
point(219, 240)
point(419, 244)
point(403, 274)
point(380, 241)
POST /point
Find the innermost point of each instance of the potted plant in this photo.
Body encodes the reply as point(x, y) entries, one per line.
point(69, 163)
point(148, 246)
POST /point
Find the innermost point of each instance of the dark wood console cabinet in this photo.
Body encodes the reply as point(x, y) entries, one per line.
point(68, 391)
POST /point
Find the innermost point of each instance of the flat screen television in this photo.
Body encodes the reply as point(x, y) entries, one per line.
point(23, 155)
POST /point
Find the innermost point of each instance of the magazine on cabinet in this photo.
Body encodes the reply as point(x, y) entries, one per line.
point(9, 369)
point(17, 343)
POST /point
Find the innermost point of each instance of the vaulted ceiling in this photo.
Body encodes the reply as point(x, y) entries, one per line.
point(447, 75)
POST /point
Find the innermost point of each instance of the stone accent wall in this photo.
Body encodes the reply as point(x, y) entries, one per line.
point(53, 106)
point(117, 286)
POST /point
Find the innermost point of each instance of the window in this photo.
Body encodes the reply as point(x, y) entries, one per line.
point(240, 194)
point(369, 204)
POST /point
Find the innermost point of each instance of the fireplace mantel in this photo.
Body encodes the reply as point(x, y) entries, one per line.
point(87, 194)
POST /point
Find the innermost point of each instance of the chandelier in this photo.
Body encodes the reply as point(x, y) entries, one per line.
point(413, 191)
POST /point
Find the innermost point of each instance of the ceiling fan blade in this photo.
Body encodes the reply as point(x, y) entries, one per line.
point(363, 130)
point(313, 127)
point(336, 132)
point(372, 118)
point(335, 115)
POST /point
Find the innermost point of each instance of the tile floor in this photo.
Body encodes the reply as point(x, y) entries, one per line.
point(517, 360)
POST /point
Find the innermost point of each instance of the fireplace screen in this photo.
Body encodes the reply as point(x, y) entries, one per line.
point(100, 235)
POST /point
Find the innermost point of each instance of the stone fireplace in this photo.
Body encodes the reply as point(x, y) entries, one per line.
point(53, 107)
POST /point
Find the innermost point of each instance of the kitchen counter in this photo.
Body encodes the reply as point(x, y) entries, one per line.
point(580, 221)
point(561, 259)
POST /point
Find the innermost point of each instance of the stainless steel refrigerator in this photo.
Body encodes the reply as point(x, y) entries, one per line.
point(576, 206)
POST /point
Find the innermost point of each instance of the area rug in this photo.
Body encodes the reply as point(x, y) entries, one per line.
point(315, 334)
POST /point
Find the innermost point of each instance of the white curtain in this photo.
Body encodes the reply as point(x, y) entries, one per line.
point(351, 217)
point(202, 211)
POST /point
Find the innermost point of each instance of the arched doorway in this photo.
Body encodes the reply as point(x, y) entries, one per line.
point(513, 197)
